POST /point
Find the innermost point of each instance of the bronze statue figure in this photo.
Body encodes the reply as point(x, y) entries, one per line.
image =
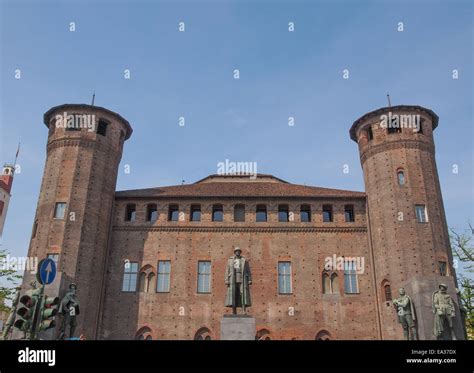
point(443, 309)
point(406, 314)
point(69, 309)
point(238, 280)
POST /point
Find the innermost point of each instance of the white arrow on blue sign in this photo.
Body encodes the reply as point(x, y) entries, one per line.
point(47, 271)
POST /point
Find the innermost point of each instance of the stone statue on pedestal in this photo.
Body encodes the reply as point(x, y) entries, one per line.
point(238, 280)
point(406, 314)
point(444, 312)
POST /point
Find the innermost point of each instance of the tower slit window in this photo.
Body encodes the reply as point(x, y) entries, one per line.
point(102, 127)
point(401, 177)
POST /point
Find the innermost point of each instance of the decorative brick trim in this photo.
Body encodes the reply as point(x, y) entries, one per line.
point(393, 145)
point(142, 228)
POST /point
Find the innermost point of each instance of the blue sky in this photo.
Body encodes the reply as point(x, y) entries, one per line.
point(190, 74)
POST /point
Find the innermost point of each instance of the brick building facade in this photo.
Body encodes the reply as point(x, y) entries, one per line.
point(149, 263)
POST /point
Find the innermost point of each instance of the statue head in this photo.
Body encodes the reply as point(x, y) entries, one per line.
point(443, 288)
point(237, 252)
point(401, 291)
point(72, 287)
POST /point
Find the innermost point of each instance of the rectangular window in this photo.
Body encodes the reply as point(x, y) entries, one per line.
point(442, 268)
point(173, 213)
point(327, 213)
point(349, 213)
point(204, 277)
point(55, 257)
point(217, 213)
point(130, 272)
point(102, 127)
point(284, 278)
point(350, 277)
point(261, 215)
point(239, 213)
point(420, 211)
point(305, 213)
point(130, 212)
point(60, 210)
point(195, 213)
point(152, 213)
point(283, 214)
point(163, 280)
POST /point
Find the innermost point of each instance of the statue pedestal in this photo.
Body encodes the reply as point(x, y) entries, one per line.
point(238, 328)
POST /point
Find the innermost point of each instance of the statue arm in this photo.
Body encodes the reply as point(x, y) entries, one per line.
point(227, 274)
point(249, 274)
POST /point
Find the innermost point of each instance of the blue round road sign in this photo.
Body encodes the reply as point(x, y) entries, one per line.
point(46, 271)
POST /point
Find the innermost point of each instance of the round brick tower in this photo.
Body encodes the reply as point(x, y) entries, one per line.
point(408, 232)
point(73, 216)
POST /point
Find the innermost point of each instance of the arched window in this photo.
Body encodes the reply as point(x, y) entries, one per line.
point(203, 334)
point(330, 283)
point(334, 283)
point(387, 291)
point(323, 335)
point(326, 283)
point(143, 282)
point(401, 177)
point(147, 279)
point(263, 335)
point(150, 283)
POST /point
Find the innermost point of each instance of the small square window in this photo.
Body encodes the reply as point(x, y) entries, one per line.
point(442, 268)
point(60, 210)
point(102, 127)
point(421, 216)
